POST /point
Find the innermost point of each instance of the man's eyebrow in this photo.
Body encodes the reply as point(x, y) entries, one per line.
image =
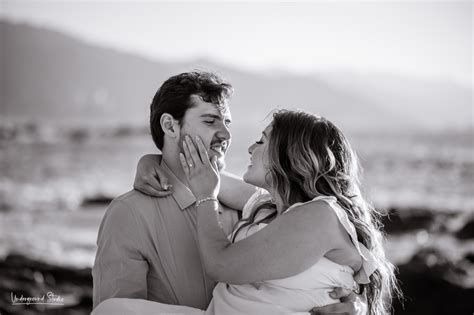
point(208, 115)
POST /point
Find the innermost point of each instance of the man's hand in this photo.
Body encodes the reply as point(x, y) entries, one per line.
point(351, 303)
point(150, 178)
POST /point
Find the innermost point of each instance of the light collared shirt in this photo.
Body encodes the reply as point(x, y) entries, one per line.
point(148, 249)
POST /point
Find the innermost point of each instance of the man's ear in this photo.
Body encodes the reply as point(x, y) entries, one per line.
point(169, 125)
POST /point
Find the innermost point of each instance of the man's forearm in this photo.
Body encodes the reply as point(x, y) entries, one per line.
point(234, 192)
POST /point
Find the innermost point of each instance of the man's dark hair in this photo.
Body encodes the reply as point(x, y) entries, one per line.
point(173, 97)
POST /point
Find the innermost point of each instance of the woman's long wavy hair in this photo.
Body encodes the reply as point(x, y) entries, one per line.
point(308, 157)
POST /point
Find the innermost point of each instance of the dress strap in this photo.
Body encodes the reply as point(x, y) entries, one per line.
point(259, 197)
point(328, 199)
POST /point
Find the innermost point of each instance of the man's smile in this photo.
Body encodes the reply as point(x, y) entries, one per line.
point(219, 148)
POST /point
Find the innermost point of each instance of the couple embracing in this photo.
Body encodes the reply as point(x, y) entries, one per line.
point(294, 237)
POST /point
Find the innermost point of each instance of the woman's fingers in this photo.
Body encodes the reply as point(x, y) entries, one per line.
point(187, 155)
point(202, 179)
point(144, 180)
point(202, 150)
point(196, 154)
point(184, 164)
point(214, 164)
point(151, 191)
point(192, 149)
point(162, 178)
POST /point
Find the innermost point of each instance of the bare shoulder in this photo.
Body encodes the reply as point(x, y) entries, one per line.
point(331, 230)
point(318, 212)
point(315, 220)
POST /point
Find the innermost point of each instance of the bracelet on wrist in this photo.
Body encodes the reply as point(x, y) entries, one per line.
point(200, 201)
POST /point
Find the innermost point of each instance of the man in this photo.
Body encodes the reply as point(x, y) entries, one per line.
point(147, 247)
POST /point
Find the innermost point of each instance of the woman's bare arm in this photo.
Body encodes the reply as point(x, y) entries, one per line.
point(292, 243)
point(150, 179)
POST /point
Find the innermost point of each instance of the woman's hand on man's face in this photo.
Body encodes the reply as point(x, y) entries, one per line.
point(201, 173)
point(150, 178)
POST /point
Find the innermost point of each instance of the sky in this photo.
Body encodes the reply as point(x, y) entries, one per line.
point(422, 39)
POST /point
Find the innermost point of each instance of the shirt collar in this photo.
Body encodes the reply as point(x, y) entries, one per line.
point(181, 193)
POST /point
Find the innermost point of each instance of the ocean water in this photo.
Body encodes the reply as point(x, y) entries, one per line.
point(45, 186)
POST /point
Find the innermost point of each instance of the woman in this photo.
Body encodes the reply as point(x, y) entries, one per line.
point(285, 256)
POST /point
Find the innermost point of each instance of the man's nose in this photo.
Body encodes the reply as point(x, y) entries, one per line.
point(224, 132)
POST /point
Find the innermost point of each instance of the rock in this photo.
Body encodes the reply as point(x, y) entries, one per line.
point(432, 284)
point(396, 221)
point(99, 200)
point(20, 275)
point(466, 232)
point(399, 221)
point(469, 257)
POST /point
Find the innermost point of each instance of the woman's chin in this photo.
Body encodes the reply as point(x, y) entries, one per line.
point(249, 180)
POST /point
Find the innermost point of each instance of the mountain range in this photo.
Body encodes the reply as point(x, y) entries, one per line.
point(47, 75)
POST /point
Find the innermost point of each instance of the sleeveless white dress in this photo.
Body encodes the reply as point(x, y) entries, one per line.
point(292, 295)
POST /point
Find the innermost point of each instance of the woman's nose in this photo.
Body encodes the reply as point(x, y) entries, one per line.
point(251, 148)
